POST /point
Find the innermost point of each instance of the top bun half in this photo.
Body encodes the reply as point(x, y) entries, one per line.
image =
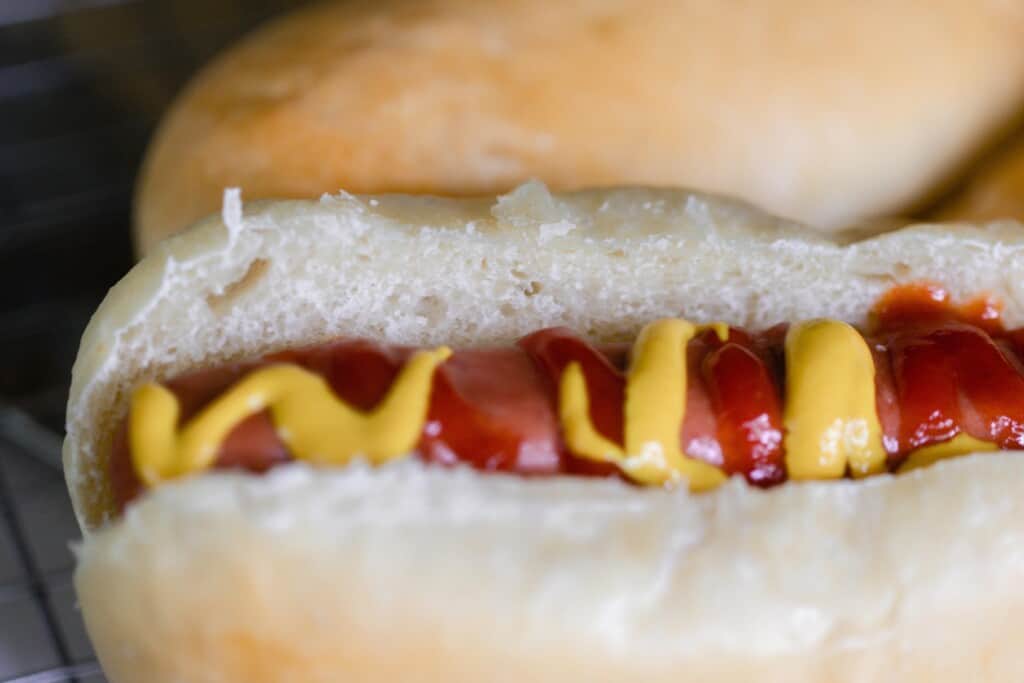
point(426, 270)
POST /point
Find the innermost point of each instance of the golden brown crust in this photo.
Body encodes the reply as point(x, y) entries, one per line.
point(826, 112)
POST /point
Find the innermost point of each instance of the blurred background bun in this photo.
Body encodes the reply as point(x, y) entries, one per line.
point(994, 191)
point(828, 112)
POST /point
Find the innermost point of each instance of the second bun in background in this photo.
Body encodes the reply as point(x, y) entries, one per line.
point(825, 112)
point(994, 191)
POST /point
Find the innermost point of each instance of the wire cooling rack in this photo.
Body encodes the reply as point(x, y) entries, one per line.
point(82, 84)
point(43, 637)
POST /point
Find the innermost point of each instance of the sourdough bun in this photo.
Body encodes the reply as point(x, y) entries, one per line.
point(423, 574)
point(825, 112)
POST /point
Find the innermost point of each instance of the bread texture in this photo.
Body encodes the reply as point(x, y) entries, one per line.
point(824, 112)
point(412, 573)
point(409, 573)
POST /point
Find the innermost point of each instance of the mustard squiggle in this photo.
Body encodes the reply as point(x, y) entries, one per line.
point(653, 414)
point(311, 420)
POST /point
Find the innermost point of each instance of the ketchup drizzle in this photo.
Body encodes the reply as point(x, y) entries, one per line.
point(749, 411)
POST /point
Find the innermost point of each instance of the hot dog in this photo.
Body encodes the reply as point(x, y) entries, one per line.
point(601, 436)
point(942, 383)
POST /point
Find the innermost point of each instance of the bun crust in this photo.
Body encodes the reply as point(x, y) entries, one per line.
point(411, 573)
point(825, 112)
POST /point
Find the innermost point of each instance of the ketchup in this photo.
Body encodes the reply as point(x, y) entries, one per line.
point(926, 302)
point(955, 369)
point(746, 401)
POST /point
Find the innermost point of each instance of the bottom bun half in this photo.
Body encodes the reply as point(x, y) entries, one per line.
point(413, 573)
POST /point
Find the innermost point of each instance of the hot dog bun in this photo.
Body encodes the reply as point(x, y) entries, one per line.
point(415, 574)
point(824, 112)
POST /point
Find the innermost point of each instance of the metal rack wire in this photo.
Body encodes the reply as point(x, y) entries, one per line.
point(36, 598)
point(82, 84)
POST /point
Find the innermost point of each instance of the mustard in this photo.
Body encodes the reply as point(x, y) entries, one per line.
point(653, 414)
point(961, 444)
point(830, 417)
point(310, 419)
